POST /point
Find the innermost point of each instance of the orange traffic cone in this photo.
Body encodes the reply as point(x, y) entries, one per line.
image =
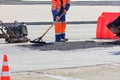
point(5, 69)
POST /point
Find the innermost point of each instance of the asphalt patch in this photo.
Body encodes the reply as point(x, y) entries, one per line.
point(70, 45)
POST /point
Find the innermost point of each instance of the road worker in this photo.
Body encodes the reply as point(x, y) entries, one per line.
point(60, 7)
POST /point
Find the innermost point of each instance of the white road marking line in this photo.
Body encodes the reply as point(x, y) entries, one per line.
point(61, 78)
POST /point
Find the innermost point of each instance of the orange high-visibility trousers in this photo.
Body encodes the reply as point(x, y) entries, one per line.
point(59, 30)
point(63, 30)
point(63, 27)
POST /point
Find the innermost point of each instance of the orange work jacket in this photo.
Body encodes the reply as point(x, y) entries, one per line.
point(56, 4)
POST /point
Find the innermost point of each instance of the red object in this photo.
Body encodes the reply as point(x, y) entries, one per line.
point(102, 32)
point(5, 69)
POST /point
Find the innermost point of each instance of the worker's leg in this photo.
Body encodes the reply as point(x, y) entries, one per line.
point(63, 24)
point(57, 27)
point(63, 27)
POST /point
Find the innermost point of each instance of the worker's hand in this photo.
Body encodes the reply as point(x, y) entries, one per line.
point(57, 18)
point(65, 11)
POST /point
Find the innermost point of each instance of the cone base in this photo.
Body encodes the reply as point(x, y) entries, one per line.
point(5, 78)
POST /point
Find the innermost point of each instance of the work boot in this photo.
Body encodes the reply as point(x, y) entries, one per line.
point(63, 37)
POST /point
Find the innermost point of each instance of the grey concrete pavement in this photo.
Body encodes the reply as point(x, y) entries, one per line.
point(27, 59)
